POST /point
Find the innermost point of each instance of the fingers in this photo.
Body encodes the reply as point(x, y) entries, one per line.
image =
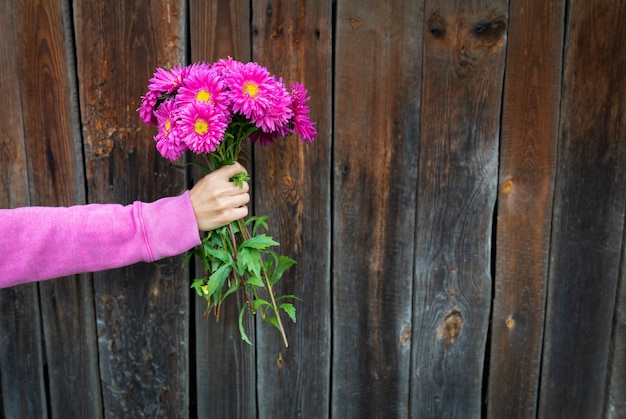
point(227, 172)
point(232, 170)
point(218, 201)
point(240, 200)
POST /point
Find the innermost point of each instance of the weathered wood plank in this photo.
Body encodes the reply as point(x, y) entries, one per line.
point(13, 170)
point(22, 391)
point(224, 364)
point(291, 185)
point(615, 396)
point(219, 29)
point(588, 223)
point(457, 185)
point(21, 354)
point(377, 98)
point(55, 168)
point(527, 171)
point(143, 310)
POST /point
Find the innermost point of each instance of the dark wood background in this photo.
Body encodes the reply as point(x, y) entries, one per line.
point(458, 224)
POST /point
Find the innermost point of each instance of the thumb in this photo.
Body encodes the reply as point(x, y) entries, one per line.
point(232, 170)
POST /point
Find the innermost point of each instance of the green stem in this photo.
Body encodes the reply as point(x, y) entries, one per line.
point(233, 273)
point(246, 235)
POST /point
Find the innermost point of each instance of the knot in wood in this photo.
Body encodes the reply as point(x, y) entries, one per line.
point(510, 322)
point(450, 329)
point(507, 186)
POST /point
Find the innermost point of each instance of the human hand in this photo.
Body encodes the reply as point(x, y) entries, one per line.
point(217, 201)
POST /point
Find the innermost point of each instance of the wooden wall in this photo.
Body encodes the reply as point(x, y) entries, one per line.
point(458, 224)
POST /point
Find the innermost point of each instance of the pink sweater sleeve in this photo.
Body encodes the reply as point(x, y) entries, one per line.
point(38, 243)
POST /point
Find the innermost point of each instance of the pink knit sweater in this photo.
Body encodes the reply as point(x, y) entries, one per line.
point(38, 243)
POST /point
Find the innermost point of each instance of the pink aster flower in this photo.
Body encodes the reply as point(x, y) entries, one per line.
point(168, 140)
point(278, 112)
point(227, 66)
point(301, 120)
point(251, 88)
point(202, 127)
point(204, 85)
point(167, 81)
point(146, 110)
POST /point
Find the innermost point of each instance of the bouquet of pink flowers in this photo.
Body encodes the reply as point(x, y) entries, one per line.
point(213, 110)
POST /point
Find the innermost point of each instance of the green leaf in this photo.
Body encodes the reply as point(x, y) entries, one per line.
point(260, 242)
point(250, 259)
point(216, 280)
point(242, 332)
point(255, 281)
point(274, 321)
point(282, 264)
point(259, 221)
point(234, 287)
point(290, 310)
point(219, 254)
point(197, 284)
point(259, 302)
point(240, 178)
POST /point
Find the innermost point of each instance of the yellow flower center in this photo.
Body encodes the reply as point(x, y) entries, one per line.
point(168, 126)
point(251, 89)
point(203, 96)
point(200, 127)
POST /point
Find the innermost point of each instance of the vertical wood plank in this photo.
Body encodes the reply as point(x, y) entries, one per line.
point(376, 118)
point(142, 310)
point(56, 178)
point(219, 29)
point(457, 184)
point(13, 170)
point(22, 390)
point(615, 397)
point(291, 185)
point(526, 187)
point(224, 364)
point(588, 223)
point(21, 354)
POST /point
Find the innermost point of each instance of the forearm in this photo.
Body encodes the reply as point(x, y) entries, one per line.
point(38, 243)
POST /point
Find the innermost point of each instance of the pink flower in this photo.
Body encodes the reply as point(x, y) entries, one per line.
point(193, 106)
point(167, 81)
point(204, 85)
point(168, 140)
point(301, 121)
point(278, 113)
point(252, 87)
point(227, 67)
point(146, 110)
point(202, 126)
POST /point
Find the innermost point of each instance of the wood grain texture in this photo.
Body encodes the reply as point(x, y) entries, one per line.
point(13, 170)
point(615, 394)
point(376, 119)
point(526, 185)
point(219, 29)
point(54, 159)
point(457, 184)
point(21, 354)
point(389, 213)
point(291, 185)
point(224, 364)
point(22, 391)
point(142, 311)
point(589, 207)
